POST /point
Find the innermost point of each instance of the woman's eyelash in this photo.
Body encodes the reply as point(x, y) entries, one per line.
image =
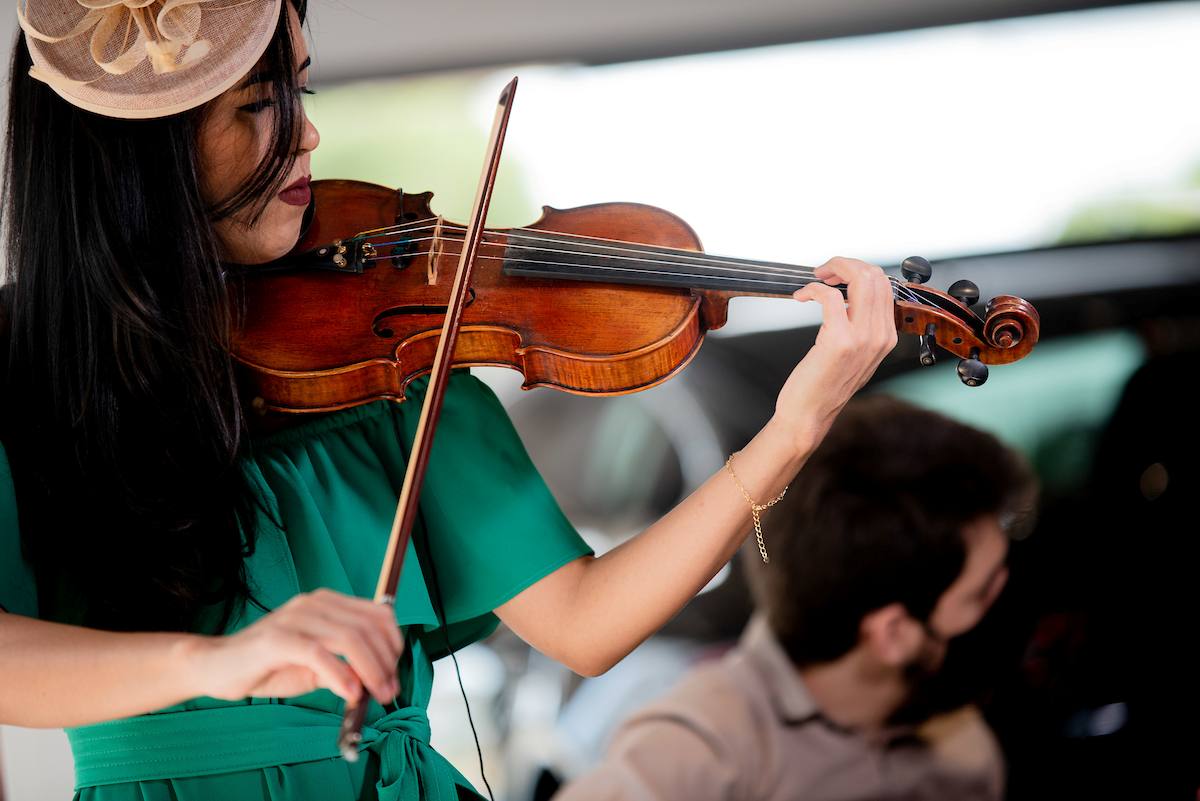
point(257, 105)
point(267, 102)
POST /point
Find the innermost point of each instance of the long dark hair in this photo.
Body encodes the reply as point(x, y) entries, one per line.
point(121, 415)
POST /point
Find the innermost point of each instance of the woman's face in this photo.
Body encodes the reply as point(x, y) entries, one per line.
point(234, 139)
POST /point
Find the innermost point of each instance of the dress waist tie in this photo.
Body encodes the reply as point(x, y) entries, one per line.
point(202, 742)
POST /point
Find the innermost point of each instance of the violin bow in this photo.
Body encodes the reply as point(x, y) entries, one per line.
point(350, 733)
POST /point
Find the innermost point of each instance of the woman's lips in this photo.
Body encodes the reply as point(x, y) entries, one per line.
point(297, 194)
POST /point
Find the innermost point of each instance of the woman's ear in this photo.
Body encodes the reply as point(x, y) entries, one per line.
point(891, 635)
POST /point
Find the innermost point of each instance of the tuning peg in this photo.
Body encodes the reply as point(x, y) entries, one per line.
point(916, 269)
point(964, 292)
point(928, 343)
point(973, 372)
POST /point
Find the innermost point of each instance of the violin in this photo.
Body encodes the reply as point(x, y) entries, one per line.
point(605, 299)
point(599, 300)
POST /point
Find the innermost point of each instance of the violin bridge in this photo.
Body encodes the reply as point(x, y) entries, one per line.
point(435, 251)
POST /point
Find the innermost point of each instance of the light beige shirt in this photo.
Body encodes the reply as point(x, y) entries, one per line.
point(744, 728)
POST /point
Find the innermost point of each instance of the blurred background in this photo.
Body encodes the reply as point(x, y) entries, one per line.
point(1049, 150)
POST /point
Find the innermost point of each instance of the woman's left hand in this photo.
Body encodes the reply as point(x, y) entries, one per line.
point(856, 333)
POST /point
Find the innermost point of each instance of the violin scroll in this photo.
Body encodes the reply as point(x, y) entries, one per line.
point(1006, 332)
point(1008, 320)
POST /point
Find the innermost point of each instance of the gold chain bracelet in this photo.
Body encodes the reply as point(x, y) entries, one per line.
point(755, 508)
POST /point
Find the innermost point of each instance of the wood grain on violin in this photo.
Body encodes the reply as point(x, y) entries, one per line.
point(605, 299)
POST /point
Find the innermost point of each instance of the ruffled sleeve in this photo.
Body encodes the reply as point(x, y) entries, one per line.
point(488, 526)
point(18, 592)
point(491, 526)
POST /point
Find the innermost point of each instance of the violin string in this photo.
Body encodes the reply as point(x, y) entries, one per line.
point(541, 235)
point(681, 257)
point(417, 226)
point(635, 270)
point(694, 259)
point(738, 268)
point(896, 287)
point(756, 276)
point(698, 258)
point(901, 290)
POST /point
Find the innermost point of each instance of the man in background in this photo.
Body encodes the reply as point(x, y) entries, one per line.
point(890, 542)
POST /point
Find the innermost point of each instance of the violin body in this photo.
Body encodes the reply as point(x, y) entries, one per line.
point(342, 339)
point(354, 314)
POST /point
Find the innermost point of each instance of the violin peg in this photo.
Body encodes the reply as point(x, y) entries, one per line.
point(965, 292)
point(973, 372)
point(916, 269)
point(928, 342)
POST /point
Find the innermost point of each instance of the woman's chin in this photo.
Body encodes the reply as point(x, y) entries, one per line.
point(255, 247)
point(276, 251)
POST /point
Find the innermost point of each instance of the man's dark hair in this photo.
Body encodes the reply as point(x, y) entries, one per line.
point(875, 517)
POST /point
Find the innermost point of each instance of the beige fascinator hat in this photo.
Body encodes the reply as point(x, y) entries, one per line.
point(144, 58)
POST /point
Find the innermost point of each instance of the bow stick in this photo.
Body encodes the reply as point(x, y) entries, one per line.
point(350, 733)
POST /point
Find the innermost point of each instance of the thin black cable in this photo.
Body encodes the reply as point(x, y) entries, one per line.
point(440, 612)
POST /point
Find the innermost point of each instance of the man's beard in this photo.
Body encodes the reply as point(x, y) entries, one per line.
point(944, 676)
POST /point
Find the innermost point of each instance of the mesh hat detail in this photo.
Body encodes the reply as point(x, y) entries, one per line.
point(144, 58)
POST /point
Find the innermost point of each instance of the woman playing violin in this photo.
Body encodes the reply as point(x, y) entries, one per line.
point(190, 599)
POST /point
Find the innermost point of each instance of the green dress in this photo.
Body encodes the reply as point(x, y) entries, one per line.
point(487, 529)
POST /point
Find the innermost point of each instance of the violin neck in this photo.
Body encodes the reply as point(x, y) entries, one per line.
point(544, 255)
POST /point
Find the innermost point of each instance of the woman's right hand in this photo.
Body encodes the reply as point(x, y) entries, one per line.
point(294, 650)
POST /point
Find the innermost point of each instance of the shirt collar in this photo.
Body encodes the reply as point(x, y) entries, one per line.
point(781, 679)
point(789, 697)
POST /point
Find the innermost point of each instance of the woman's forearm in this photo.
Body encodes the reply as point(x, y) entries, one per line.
point(593, 612)
point(54, 675)
point(630, 592)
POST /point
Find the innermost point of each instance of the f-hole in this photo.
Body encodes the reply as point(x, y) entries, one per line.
point(381, 325)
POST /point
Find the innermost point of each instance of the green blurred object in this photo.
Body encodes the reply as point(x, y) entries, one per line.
point(1130, 219)
point(421, 134)
point(1051, 405)
point(1169, 212)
